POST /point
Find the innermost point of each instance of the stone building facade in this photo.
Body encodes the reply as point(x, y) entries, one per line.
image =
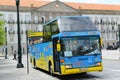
point(32, 17)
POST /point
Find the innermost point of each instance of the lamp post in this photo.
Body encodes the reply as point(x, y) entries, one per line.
point(19, 64)
point(119, 39)
point(6, 43)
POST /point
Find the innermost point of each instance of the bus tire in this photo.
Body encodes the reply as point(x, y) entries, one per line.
point(34, 64)
point(83, 73)
point(50, 69)
point(30, 60)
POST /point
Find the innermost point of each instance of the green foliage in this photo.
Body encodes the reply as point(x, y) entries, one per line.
point(2, 32)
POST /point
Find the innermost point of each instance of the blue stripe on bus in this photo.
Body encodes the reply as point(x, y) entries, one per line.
point(82, 33)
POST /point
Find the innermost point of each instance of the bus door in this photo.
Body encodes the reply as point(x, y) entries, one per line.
point(56, 55)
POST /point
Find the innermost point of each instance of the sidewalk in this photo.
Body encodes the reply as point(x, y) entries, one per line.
point(111, 54)
point(8, 71)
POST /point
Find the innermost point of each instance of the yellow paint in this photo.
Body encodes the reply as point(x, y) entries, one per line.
point(78, 70)
point(101, 41)
point(43, 64)
point(32, 34)
point(58, 47)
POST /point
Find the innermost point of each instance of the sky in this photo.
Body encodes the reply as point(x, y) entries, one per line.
point(114, 2)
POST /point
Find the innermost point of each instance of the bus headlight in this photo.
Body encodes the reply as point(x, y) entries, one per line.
point(98, 64)
point(68, 66)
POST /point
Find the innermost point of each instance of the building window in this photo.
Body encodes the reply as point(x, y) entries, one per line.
point(11, 17)
point(21, 21)
point(101, 21)
point(96, 21)
point(50, 17)
point(43, 19)
point(108, 32)
point(35, 28)
point(28, 27)
point(117, 35)
point(27, 18)
point(11, 37)
point(112, 21)
point(112, 27)
point(117, 20)
point(113, 32)
point(21, 37)
point(11, 32)
point(11, 29)
point(107, 21)
point(35, 19)
point(112, 18)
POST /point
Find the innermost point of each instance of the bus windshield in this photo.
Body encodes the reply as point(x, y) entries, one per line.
point(79, 46)
point(75, 24)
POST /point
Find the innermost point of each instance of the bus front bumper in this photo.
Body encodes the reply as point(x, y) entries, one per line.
point(65, 71)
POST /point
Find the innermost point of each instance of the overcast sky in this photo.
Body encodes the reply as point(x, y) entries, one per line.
point(116, 2)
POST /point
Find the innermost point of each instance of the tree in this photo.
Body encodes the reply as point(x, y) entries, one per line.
point(2, 32)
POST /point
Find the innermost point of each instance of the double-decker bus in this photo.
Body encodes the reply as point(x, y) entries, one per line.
point(70, 45)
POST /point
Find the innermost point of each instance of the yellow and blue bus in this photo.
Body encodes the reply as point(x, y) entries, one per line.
point(70, 45)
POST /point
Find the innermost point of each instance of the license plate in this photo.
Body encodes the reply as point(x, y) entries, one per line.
point(83, 69)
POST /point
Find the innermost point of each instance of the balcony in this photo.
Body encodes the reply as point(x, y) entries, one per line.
point(107, 22)
point(11, 21)
point(28, 22)
point(113, 23)
point(21, 21)
point(36, 22)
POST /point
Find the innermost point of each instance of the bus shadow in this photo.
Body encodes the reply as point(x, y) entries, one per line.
point(78, 77)
point(73, 76)
point(41, 70)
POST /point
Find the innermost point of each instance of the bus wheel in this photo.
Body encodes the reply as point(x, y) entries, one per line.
point(83, 73)
point(51, 70)
point(34, 63)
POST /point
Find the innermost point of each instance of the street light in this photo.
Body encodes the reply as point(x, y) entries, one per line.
point(119, 39)
point(19, 64)
point(6, 43)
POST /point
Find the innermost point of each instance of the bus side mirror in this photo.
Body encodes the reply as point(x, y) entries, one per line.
point(58, 47)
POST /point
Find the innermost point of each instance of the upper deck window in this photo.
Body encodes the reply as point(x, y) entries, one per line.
point(75, 24)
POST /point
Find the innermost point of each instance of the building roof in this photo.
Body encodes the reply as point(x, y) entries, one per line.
point(39, 3)
point(93, 6)
point(25, 3)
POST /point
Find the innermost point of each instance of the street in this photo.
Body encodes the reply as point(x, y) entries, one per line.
point(8, 71)
point(111, 72)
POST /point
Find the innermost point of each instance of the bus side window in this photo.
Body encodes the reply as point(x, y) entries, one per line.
point(41, 40)
point(54, 28)
point(47, 33)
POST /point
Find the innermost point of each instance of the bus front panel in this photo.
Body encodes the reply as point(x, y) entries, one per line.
point(80, 54)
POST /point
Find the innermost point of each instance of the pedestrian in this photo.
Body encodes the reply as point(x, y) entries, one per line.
point(14, 56)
